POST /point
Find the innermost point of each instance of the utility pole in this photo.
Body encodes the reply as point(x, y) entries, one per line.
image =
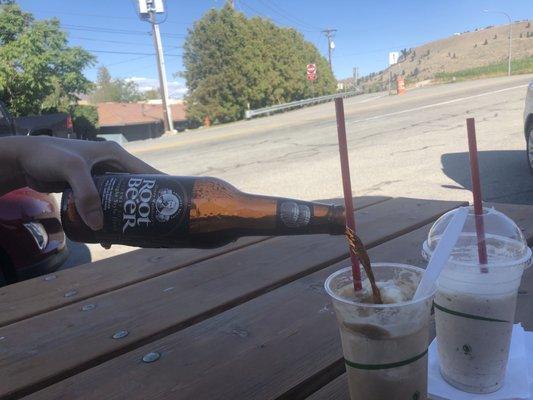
point(510, 36)
point(329, 35)
point(355, 77)
point(151, 10)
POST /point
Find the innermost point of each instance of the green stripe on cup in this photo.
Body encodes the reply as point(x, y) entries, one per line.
point(469, 316)
point(384, 366)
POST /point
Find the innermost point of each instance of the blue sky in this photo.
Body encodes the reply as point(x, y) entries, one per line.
point(367, 30)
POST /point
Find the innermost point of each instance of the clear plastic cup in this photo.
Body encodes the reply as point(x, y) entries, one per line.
point(384, 345)
point(475, 304)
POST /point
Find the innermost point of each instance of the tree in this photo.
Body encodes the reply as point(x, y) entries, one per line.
point(486, 42)
point(232, 62)
point(85, 121)
point(152, 94)
point(39, 72)
point(109, 89)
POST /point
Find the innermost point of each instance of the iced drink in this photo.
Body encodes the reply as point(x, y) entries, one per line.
point(475, 303)
point(474, 314)
point(384, 345)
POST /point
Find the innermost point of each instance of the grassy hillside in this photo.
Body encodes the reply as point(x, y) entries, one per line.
point(521, 66)
point(466, 55)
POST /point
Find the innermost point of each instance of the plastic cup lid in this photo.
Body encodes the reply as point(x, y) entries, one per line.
point(505, 242)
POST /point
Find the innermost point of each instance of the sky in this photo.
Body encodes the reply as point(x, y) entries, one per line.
point(366, 30)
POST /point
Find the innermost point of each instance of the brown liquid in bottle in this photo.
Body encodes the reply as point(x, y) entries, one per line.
point(166, 211)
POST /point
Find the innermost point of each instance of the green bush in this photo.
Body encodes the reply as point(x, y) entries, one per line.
point(85, 121)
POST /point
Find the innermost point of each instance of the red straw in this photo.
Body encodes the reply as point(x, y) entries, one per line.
point(347, 187)
point(476, 190)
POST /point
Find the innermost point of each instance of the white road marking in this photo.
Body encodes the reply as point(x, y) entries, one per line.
point(442, 103)
point(370, 99)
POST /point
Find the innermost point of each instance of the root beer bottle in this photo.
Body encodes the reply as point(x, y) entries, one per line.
point(173, 211)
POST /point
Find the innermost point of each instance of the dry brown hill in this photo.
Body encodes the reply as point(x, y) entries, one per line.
point(461, 51)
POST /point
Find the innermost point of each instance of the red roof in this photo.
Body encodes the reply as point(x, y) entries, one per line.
point(120, 114)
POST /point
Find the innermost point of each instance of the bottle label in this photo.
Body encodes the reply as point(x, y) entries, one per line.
point(143, 205)
point(293, 214)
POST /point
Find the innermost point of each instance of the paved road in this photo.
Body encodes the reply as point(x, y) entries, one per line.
point(413, 145)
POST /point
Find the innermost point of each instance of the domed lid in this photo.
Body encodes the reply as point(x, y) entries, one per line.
point(504, 240)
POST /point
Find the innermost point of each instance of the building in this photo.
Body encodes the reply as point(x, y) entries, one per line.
point(137, 121)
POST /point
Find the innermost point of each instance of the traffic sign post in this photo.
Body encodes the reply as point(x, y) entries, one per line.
point(393, 59)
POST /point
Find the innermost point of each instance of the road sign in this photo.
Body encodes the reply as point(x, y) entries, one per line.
point(156, 5)
point(311, 72)
point(393, 57)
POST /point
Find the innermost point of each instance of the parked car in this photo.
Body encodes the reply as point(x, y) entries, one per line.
point(58, 124)
point(32, 241)
point(528, 125)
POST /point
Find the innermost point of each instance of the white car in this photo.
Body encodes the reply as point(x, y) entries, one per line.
point(528, 124)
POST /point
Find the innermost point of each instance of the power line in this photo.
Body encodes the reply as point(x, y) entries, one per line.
point(128, 60)
point(254, 10)
point(129, 52)
point(115, 31)
point(278, 10)
point(100, 16)
point(118, 41)
point(103, 29)
point(84, 15)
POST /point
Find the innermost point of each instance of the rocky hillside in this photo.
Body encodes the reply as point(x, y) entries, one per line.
point(462, 51)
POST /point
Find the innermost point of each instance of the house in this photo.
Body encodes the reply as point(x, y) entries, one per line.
point(137, 121)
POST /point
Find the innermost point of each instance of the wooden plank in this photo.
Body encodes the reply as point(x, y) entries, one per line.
point(165, 304)
point(337, 389)
point(42, 294)
point(283, 344)
point(262, 349)
point(39, 295)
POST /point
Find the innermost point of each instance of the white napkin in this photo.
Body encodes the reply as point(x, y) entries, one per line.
point(516, 385)
point(528, 337)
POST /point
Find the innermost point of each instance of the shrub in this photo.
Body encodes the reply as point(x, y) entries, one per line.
point(84, 121)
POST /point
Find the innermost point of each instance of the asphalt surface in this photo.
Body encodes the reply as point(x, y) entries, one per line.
point(413, 145)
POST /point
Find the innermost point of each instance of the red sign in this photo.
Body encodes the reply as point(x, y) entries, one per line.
point(311, 72)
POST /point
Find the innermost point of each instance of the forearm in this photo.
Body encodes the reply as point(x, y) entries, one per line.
point(11, 176)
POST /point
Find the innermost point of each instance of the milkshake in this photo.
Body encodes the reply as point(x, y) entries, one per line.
point(384, 345)
point(475, 304)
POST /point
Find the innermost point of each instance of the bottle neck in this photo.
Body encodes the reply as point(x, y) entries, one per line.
point(312, 218)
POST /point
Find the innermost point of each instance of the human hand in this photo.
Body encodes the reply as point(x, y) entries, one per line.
point(48, 164)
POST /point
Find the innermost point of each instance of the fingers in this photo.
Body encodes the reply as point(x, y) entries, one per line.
point(134, 165)
point(86, 196)
point(113, 155)
point(45, 187)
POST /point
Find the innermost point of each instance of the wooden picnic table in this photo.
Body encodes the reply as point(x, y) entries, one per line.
point(250, 320)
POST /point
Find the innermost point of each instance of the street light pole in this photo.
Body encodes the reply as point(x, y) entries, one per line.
point(510, 36)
